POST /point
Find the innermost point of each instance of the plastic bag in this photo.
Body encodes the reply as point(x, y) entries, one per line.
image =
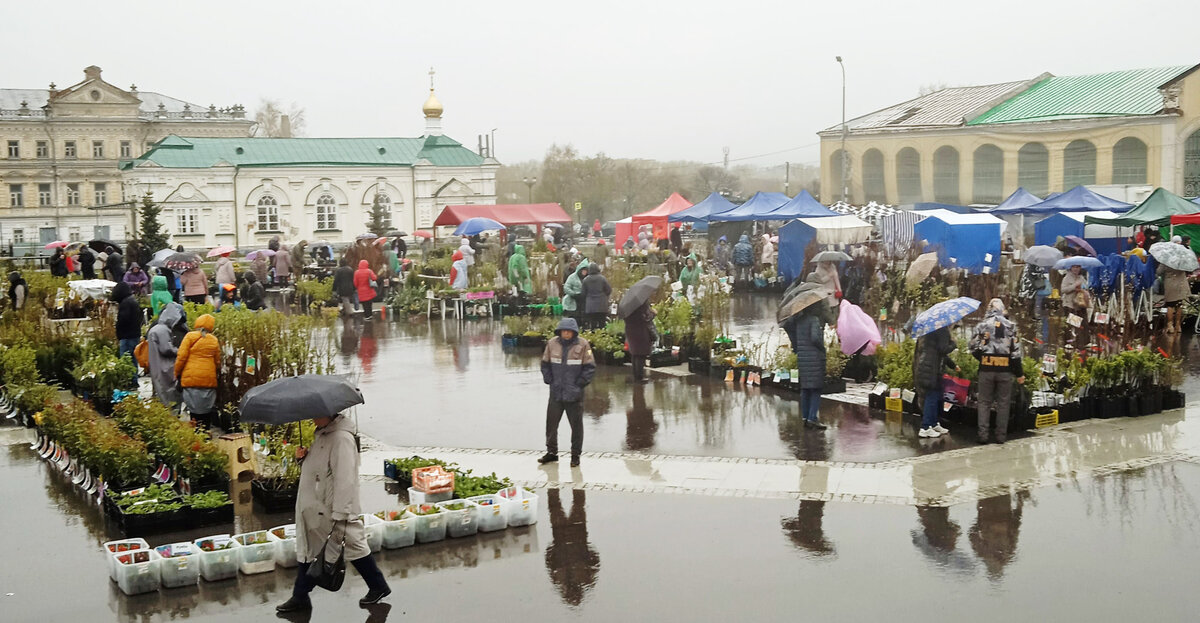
point(954, 389)
point(856, 330)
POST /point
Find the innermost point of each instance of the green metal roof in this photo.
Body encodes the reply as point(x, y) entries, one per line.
point(1118, 93)
point(199, 153)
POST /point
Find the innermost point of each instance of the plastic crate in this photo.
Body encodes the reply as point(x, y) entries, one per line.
point(373, 530)
point(433, 479)
point(117, 547)
point(220, 564)
point(463, 521)
point(137, 571)
point(284, 538)
point(522, 505)
point(180, 564)
point(492, 512)
point(400, 531)
point(257, 552)
point(893, 404)
point(1044, 420)
point(430, 528)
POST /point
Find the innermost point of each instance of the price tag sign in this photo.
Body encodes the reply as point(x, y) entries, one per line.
point(1100, 318)
point(879, 389)
point(908, 395)
point(1049, 364)
point(946, 406)
point(894, 393)
point(1074, 321)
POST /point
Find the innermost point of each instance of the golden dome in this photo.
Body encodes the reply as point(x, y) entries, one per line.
point(432, 107)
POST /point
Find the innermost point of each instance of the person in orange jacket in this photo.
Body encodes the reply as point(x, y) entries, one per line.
point(196, 367)
point(365, 281)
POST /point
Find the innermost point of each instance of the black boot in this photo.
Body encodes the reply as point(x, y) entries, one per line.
point(549, 457)
point(299, 601)
point(377, 587)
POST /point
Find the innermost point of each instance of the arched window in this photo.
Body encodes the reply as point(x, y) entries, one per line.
point(1129, 161)
point(1079, 164)
point(385, 202)
point(326, 212)
point(268, 213)
point(988, 175)
point(836, 162)
point(1191, 165)
point(872, 176)
point(945, 175)
point(908, 175)
point(1033, 169)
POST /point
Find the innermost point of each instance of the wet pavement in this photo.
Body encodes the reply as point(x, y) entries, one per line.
point(1115, 547)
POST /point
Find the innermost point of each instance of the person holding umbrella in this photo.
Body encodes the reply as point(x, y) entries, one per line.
point(567, 367)
point(225, 274)
point(934, 345)
point(58, 263)
point(195, 285)
point(803, 315)
point(87, 263)
point(1075, 298)
point(640, 335)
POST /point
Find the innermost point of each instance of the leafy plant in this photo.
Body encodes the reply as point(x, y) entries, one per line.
point(314, 293)
point(208, 499)
point(896, 363)
point(102, 371)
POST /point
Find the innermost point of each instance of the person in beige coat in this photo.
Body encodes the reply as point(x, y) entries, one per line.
point(327, 504)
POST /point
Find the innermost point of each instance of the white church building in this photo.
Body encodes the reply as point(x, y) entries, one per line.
point(243, 191)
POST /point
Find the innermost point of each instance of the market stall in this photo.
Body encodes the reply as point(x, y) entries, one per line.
point(967, 241)
point(757, 208)
point(1010, 211)
point(795, 237)
point(625, 231)
point(659, 215)
point(1103, 238)
point(1187, 225)
point(700, 212)
point(802, 205)
point(538, 214)
point(1157, 209)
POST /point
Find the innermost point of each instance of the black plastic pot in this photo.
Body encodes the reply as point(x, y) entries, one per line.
point(219, 482)
point(1068, 412)
point(273, 499)
point(1111, 407)
point(1172, 399)
point(200, 517)
point(696, 365)
point(1089, 407)
point(833, 385)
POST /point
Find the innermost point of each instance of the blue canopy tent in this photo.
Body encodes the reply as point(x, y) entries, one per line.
point(930, 205)
point(795, 237)
point(802, 206)
point(969, 241)
point(1020, 198)
point(1078, 199)
point(1104, 239)
point(756, 209)
point(1010, 211)
point(701, 211)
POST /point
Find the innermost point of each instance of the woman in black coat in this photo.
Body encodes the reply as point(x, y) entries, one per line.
point(932, 356)
point(640, 336)
point(806, 331)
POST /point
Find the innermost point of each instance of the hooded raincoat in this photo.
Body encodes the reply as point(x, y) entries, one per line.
point(596, 291)
point(806, 331)
point(723, 254)
point(518, 270)
point(362, 282)
point(255, 295)
point(743, 252)
point(328, 492)
point(467, 251)
point(458, 271)
point(690, 274)
point(995, 343)
point(933, 354)
point(259, 266)
point(137, 279)
point(163, 340)
point(199, 355)
point(567, 365)
point(573, 288)
point(160, 296)
point(225, 272)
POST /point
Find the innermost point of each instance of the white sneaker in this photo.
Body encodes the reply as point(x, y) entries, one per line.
point(929, 432)
point(940, 430)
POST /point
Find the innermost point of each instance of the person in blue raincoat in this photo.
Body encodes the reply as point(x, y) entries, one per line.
point(567, 367)
point(743, 259)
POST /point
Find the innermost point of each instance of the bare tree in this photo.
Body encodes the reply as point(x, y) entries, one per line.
point(268, 119)
point(712, 178)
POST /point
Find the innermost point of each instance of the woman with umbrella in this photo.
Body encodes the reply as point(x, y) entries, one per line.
point(195, 284)
point(328, 525)
point(58, 263)
point(934, 345)
point(805, 313)
point(639, 322)
point(1075, 297)
point(1175, 261)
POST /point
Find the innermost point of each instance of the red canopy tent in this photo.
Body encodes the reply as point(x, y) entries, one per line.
point(658, 216)
point(508, 214)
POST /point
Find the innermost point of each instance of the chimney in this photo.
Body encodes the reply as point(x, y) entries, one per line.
point(92, 72)
point(285, 126)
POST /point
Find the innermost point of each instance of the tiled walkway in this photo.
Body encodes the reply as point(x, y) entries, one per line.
point(1051, 456)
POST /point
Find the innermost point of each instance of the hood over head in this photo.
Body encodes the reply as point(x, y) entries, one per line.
point(458, 255)
point(722, 239)
point(566, 324)
point(15, 277)
point(581, 270)
point(593, 269)
point(121, 291)
point(159, 283)
point(362, 265)
point(133, 267)
point(206, 322)
point(249, 277)
point(744, 238)
point(519, 249)
point(996, 308)
point(171, 315)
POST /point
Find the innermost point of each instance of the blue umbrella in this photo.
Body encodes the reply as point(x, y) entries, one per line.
point(476, 225)
point(943, 314)
point(1084, 262)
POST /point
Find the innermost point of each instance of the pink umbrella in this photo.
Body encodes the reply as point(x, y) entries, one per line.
point(254, 255)
point(222, 250)
point(856, 330)
point(57, 244)
point(1082, 244)
point(381, 240)
point(423, 234)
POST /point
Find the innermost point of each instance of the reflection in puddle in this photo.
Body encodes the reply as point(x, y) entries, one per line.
point(571, 561)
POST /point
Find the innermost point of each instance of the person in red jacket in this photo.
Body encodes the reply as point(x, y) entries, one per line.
point(364, 283)
point(596, 229)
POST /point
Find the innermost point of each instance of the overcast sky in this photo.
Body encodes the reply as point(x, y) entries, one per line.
point(651, 79)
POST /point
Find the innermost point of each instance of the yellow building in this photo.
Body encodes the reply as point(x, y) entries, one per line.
point(1122, 133)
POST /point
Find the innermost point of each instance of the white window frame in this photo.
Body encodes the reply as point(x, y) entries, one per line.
point(18, 236)
point(73, 194)
point(100, 193)
point(73, 234)
point(14, 149)
point(386, 200)
point(187, 221)
point(126, 149)
point(42, 149)
point(16, 195)
point(268, 213)
point(70, 150)
point(326, 212)
point(45, 194)
point(98, 150)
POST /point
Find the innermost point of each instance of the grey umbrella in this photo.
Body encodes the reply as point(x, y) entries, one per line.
point(638, 294)
point(831, 256)
point(296, 398)
point(160, 257)
point(1042, 255)
point(803, 297)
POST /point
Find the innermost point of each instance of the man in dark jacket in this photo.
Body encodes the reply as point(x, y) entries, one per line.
point(58, 264)
point(567, 367)
point(129, 323)
point(640, 335)
point(115, 264)
point(676, 240)
point(255, 295)
point(932, 355)
point(87, 263)
point(596, 291)
point(343, 288)
point(996, 345)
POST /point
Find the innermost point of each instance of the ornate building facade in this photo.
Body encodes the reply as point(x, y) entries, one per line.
point(59, 171)
point(243, 191)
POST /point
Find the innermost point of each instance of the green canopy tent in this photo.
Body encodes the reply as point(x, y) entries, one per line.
point(1156, 210)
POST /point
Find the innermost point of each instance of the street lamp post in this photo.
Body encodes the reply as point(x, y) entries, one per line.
point(845, 156)
point(529, 182)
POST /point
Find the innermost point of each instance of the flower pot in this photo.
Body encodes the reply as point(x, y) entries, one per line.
point(508, 341)
point(274, 498)
point(1089, 407)
point(1068, 412)
point(834, 385)
point(1111, 407)
point(389, 470)
point(200, 517)
point(696, 365)
point(215, 482)
point(1172, 399)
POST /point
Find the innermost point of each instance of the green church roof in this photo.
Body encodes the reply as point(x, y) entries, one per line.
point(1117, 93)
point(200, 153)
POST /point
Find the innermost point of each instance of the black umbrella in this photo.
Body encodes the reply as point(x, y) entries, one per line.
point(100, 245)
point(638, 294)
point(182, 261)
point(298, 398)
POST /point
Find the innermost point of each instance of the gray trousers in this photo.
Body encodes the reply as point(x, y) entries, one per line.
point(554, 412)
point(995, 388)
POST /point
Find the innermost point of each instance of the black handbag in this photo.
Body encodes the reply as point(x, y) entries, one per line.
point(326, 574)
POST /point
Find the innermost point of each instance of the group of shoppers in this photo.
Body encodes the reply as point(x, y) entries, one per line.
point(356, 289)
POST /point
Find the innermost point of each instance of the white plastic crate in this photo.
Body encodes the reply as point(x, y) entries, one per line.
point(461, 522)
point(522, 506)
point(430, 528)
point(399, 532)
point(373, 530)
point(492, 512)
point(220, 564)
point(117, 547)
point(257, 552)
point(180, 564)
point(285, 545)
point(418, 497)
point(137, 571)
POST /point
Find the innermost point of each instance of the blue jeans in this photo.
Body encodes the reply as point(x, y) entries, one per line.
point(810, 404)
point(933, 402)
point(126, 346)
